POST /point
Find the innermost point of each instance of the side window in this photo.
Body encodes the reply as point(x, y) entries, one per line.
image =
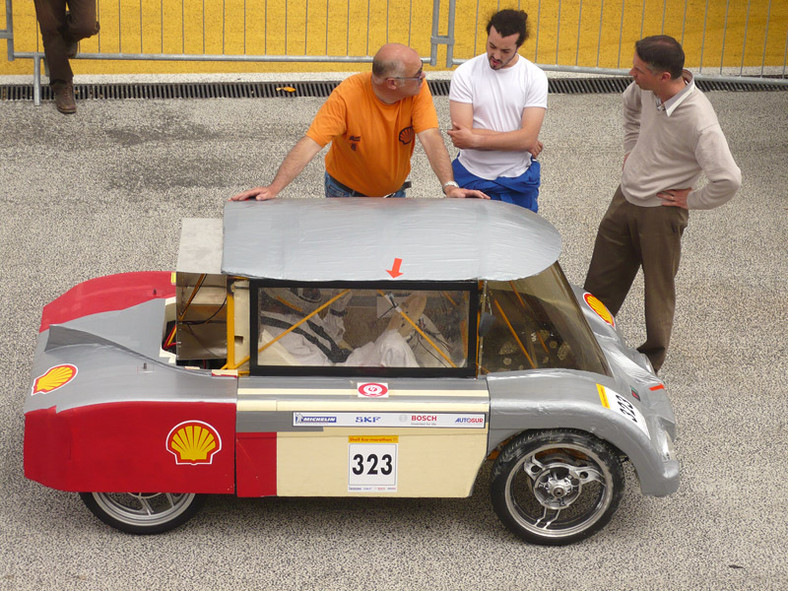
point(536, 323)
point(362, 327)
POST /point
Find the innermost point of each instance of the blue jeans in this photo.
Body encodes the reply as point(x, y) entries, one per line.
point(336, 189)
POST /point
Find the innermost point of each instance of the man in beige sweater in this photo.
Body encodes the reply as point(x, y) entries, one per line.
point(671, 138)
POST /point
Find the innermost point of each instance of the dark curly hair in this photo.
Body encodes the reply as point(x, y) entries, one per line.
point(509, 22)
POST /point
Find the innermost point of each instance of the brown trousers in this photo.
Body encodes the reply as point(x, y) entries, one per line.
point(631, 237)
point(58, 30)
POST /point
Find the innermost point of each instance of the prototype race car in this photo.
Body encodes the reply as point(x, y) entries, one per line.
point(347, 347)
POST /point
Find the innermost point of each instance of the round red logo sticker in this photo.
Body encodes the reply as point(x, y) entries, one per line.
point(373, 390)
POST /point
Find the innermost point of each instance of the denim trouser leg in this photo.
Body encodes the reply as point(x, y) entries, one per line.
point(333, 189)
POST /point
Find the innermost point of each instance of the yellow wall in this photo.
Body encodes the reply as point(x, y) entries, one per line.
point(279, 27)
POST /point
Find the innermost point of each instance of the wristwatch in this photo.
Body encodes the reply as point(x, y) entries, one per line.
point(449, 184)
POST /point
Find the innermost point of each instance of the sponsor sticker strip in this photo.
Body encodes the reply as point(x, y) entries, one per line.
point(367, 419)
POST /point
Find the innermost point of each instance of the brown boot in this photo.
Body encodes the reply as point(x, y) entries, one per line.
point(64, 97)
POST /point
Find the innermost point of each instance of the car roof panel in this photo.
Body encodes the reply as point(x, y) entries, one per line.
point(361, 239)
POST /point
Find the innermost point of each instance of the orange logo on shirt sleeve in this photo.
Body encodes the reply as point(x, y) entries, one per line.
point(54, 378)
point(193, 442)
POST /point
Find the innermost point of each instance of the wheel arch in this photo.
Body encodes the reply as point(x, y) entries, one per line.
point(520, 406)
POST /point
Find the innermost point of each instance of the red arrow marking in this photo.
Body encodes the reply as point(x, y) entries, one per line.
point(394, 271)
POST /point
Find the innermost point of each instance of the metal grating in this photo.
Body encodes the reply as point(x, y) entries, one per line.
point(614, 84)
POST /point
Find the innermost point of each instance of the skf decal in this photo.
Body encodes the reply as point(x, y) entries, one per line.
point(54, 378)
point(373, 390)
point(193, 442)
point(599, 308)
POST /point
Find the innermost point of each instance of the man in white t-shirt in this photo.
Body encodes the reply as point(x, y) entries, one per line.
point(497, 103)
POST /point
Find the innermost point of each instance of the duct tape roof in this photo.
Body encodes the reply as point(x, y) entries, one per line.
point(364, 239)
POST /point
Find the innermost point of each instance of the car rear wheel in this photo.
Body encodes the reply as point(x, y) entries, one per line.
point(556, 487)
point(143, 513)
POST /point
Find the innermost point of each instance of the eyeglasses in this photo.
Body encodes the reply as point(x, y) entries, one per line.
point(418, 75)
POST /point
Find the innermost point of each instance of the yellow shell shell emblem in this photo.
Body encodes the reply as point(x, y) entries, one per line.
point(54, 378)
point(598, 307)
point(193, 442)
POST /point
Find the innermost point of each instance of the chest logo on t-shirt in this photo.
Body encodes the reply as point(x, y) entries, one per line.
point(354, 141)
point(406, 135)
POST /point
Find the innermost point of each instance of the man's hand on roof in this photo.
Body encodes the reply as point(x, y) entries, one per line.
point(459, 193)
point(258, 193)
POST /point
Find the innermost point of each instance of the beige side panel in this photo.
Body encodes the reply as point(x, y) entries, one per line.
point(431, 462)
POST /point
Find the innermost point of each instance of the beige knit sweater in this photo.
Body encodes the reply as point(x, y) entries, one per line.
point(673, 148)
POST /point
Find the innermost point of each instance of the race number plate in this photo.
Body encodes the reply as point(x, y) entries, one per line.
point(372, 464)
point(615, 401)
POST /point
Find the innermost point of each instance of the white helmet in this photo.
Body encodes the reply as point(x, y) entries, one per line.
point(303, 300)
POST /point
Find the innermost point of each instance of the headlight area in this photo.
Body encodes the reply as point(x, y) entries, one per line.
point(666, 448)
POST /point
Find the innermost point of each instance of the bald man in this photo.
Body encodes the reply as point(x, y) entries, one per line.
point(372, 120)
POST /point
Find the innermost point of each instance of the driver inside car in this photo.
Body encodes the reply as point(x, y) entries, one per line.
point(312, 332)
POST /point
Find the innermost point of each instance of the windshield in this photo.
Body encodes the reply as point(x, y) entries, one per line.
point(536, 323)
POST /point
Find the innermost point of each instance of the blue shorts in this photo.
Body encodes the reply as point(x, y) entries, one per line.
point(522, 190)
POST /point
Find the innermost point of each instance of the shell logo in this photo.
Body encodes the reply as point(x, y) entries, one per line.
point(54, 378)
point(193, 442)
point(598, 307)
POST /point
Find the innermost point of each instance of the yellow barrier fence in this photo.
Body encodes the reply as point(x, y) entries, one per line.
point(720, 37)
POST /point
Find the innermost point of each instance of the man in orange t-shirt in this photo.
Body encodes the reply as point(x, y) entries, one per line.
point(372, 121)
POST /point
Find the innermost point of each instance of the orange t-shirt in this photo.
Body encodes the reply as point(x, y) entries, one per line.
point(371, 142)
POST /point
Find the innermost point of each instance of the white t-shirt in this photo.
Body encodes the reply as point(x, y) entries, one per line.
point(498, 98)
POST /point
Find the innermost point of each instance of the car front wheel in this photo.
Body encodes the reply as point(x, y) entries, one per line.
point(143, 513)
point(556, 487)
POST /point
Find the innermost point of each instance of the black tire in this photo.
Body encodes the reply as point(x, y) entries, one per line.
point(556, 487)
point(143, 513)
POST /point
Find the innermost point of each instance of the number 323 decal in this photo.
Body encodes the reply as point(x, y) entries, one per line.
point(372, 467)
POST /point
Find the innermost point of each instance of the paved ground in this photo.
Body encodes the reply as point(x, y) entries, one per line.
point(104, 191)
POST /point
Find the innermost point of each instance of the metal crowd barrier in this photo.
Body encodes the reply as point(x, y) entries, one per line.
point(744, 40)
point(731, 40)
